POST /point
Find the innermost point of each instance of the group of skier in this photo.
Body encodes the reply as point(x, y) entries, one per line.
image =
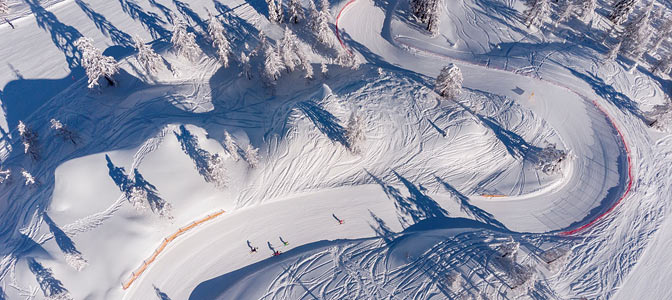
point(254, 249)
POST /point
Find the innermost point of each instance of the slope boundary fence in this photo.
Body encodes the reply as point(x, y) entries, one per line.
point(166, 241)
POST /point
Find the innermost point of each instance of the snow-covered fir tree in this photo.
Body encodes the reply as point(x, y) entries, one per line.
point(4, 8)
point(664, 32)
point(217, 171)
point(565, 10)
point(147, 58)
point(622, 9)
point(537, 12)
point(219, 40)
point(614, 50)
point(313, 14)
point(449, 82)
point(427, 12)
point(664, 65)
point(272, 64)
point(231, 146)
point(587, 10)
point(245, 65)
point(354, 132)
point(636, 35)
point(144, 193)
point(29, 140)
point(295, 11)
point(63, 131)
point(275, 14)
point(322, 30)
point(293, 55)
point(96, 64)
point(252, 156)
point(29, 179)
point(184, 42)
point(324, 69)
point(286, 49)
point(4, 175)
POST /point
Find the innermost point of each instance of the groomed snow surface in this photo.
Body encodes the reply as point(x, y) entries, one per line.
point(368, 184)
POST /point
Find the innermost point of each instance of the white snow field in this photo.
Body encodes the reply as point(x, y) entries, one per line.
point(541, 180)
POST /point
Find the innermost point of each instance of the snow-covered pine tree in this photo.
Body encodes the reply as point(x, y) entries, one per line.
point(537, 12)
point(252, 156)
point(449, 82)
point(295, 11)
point(272, 64)
point(4, 175)
point(184, 41)
point(354, 132)
point(565, 10)
point(614, 50)
point(63, 131)
point(217, 171)
point(231, 146)
point(664, 32)
point(664, 65)
point(636, 35)
point(324, 69)
point(3, 7)
point(29, 140)
point(305, 63)
point(314, 15)
point(322, 30)
point(30, 180)
point(433, 17)
point(622, 9)
point(96, 64)
point(219, 40)
point(275, 14)
point(147, 58)
point(587, 10)
point(245, 65)
point(286, 49)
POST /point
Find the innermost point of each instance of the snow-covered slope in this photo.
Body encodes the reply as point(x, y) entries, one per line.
point(440, 198)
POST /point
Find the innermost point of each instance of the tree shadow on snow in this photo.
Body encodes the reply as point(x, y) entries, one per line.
point(327, 123)
point(161, 295)
point(62, 239)
point(151, 21)
point(51, 287)
point(470, 209)
point(108, 29)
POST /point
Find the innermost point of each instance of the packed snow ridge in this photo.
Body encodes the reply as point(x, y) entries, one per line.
point(355, 149)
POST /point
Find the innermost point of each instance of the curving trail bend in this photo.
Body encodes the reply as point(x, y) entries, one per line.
point(568, 212)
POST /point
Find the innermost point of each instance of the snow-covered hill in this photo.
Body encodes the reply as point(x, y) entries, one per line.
point(541, 180)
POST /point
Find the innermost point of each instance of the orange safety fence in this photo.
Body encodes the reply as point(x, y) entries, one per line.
point(166, 241)
point(492, 196)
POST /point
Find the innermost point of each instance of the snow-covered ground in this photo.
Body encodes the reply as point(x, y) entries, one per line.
point(440, 198)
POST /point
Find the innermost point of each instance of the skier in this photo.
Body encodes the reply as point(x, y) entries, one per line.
point(284, 242)
point(340, 222)
point(276, 253)
point(253, 249)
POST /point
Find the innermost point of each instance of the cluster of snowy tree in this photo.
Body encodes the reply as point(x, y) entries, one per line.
point(635, 36)
point(248, 154)
point(539, 11)
point(638, 37)
point(428, 12)
point(138, 191)
point(355, 131)
point(449, 82)
point(73, 256)
point(30, 147)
